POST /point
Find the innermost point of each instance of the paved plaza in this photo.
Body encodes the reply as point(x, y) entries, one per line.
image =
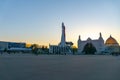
point(59, 67)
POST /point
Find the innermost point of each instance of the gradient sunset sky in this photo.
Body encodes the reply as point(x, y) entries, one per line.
point(39, 21)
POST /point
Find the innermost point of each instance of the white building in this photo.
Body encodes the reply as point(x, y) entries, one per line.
point(97, 43)
point(13, 46)
point(110, 46)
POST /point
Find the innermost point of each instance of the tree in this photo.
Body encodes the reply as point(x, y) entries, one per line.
point(89, 49)
point(35, 49)
point(5, 50)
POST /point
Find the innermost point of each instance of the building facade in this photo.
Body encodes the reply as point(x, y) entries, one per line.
point(101, 47)
point(112, 46)
point(97, 43)
point(10, 45)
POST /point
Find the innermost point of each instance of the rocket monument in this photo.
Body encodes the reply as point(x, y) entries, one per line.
point(63, 36)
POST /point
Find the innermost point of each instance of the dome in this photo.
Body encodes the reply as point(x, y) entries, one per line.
point(111, 42)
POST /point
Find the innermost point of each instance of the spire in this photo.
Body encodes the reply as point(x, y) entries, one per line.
point(110, 36)
point(100, 38)
point(100, 34)
point(79, 38)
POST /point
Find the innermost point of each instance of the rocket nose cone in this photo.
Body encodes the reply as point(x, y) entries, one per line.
point(62, 23)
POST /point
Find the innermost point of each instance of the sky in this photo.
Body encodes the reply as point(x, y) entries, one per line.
point(39, 21)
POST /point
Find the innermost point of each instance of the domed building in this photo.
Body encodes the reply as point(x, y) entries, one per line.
point(111, 42)
point(108, 47)
point(112, 45)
